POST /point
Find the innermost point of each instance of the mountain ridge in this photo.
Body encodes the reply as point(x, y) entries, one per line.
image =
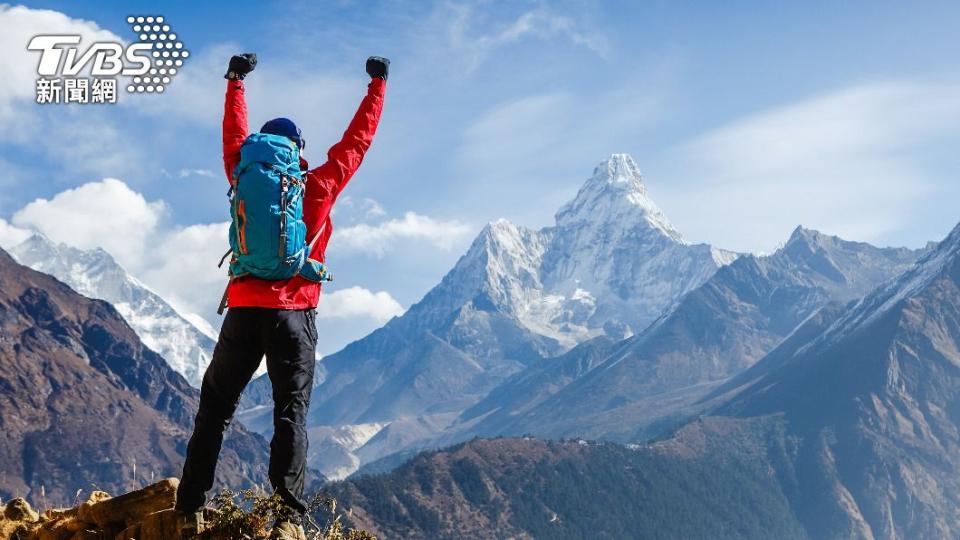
point(85, 403)
point(96, 274)
point(715, 331)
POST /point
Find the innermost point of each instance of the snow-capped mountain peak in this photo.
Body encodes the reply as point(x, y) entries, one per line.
point(610, 265)
point(94, 273)
point(502, 264)
point(616, 192)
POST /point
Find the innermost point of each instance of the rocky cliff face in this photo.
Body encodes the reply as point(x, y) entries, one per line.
point(84, 404)
point(871, 406)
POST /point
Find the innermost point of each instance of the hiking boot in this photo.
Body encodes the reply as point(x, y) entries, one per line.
point(288, 530)
point(190, 523)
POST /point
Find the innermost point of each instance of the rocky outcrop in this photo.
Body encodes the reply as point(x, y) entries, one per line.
point(148, 514)
point(143, 514)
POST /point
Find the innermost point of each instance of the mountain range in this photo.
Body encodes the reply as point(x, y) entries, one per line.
point(848, 428)
point(810, 393)
point(625, 390)
point(605, 325)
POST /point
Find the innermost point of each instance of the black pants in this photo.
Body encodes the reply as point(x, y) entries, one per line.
point(289, 340)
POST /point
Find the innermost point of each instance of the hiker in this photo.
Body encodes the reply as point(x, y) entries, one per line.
point(274, 287)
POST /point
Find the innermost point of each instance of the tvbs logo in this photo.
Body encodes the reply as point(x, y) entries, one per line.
point(108, 58)
point(150, 63)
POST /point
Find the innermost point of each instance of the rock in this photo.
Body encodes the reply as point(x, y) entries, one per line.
point(130, 533)
point(59, 523)
point(131, 507)
point(55, 514)
point(126, 517)
point(19, 510)
point(98, 496)
point(161, 525)
point(55, 531)
point(83, 511)
point(77, 525)
point(89, 534)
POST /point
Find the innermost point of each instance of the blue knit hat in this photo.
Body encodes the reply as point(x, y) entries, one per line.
point(286, 128)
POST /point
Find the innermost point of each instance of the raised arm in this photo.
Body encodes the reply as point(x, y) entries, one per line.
point(234, 125)
point(343, 158)
point(235, 128)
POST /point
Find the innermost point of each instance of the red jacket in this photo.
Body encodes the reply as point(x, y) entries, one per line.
point(324, 184)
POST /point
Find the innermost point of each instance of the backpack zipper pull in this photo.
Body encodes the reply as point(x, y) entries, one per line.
point(283, 215)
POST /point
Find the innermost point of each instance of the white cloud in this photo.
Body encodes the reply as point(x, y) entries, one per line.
point(179, 263)
point(856, 121)
point(105, 214)
point(11, 235)
point(354, 211)
point(843, 163)
point(378, 239)
point(359, 302)
point(185, 173)
point(518, 130)
point(183, 267)
point(81, 138)
point(540, 23)
point(19, 66)
point(372, 208)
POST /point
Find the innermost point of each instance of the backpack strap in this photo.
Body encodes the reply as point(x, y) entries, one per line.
point(223, 299)
point(224, 258)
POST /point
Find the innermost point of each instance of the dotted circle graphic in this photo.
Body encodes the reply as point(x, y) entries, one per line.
point(167, 52)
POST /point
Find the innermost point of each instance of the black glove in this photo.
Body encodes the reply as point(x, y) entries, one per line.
point(377, 67)
point(240, 65)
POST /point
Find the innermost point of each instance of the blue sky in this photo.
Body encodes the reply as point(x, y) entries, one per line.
point(746, 118)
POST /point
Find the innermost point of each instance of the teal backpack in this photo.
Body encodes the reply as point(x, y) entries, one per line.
point(267, 233)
